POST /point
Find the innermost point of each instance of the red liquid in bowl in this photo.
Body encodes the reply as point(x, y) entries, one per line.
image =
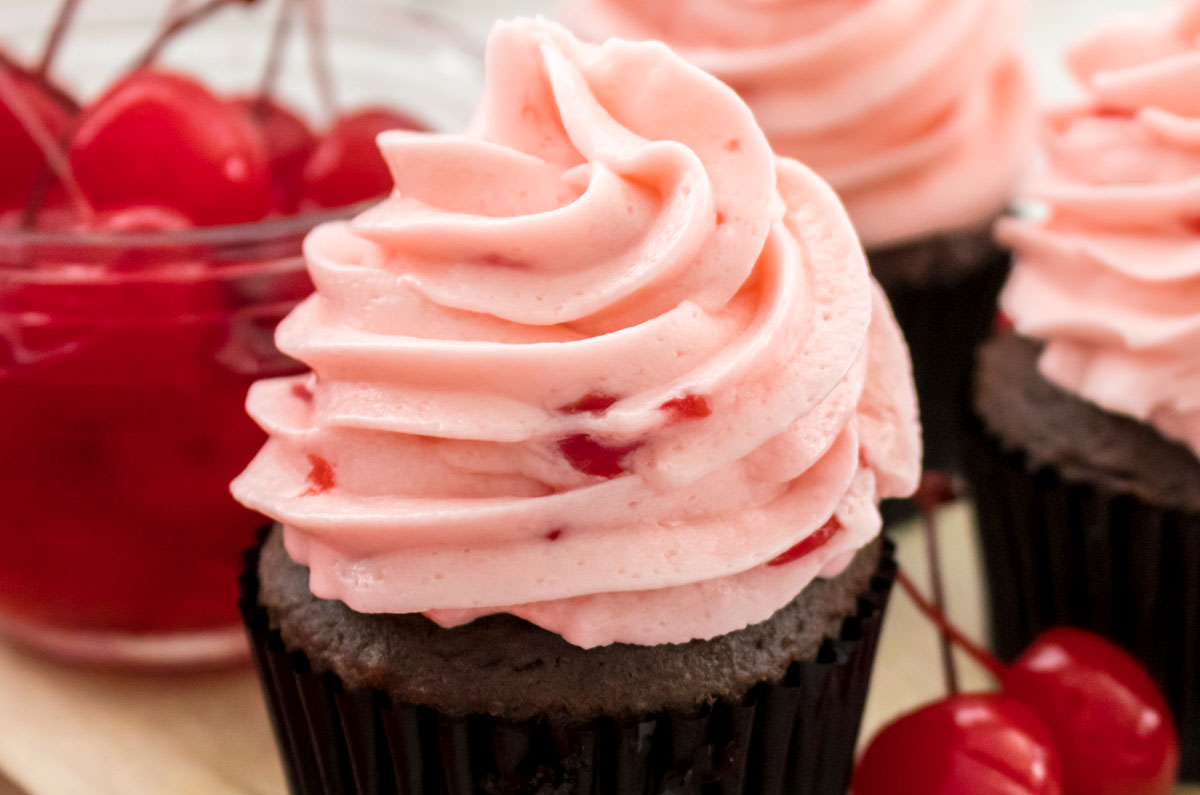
point(123, 376)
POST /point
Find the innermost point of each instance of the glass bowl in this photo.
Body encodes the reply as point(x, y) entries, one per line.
point(125, 357)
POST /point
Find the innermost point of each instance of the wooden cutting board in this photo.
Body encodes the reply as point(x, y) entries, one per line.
point(79, 732)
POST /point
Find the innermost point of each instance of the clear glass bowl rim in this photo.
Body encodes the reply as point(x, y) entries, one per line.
point(449, 31)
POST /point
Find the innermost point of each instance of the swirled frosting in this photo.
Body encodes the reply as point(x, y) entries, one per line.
point(1109, 275)
point(918, 112)
point(602, 362)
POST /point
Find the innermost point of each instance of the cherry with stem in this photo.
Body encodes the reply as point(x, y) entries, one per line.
point(1110, 723)
point(12, 96)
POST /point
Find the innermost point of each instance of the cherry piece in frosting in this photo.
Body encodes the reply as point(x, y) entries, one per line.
point(591, 403)
point(302, 391)
point(320, 476)
point(593, 458)
point(165, 139)
point(814, 541)
point(498, 260)
point(346, 166)
point(688, 407)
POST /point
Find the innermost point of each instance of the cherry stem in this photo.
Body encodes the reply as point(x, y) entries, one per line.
point(11, 95)
point(279, 35)
point(62, 21)
point(54, 92)
point(176, 23)
point(319, 57)
point(973, 649)
point(928, 498)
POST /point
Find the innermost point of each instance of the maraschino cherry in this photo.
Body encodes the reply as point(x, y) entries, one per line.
point(290, 144)
point(164, 139)
point(1110, 726)
point(971, 744)
point(1110, 721)
point(346, 167)
point(24, 158)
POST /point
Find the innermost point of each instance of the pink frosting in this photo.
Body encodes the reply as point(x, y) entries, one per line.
point(589, 268)
point(918, 112)
point(1109, 273)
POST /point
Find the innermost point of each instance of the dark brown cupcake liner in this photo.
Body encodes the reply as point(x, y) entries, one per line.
point(1059, 552)
point(944, 317)
point(794, 737)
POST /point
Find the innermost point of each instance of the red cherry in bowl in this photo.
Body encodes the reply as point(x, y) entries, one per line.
point(24, 163)
point(347, 167)
point(143, 218)
point(290, 144)
point(1112, 727)
point(162, 139)
point(970, 744)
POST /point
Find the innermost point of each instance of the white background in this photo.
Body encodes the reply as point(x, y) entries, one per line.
point(1050, 25)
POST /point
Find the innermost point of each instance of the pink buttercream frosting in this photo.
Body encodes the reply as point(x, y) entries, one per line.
point(918, 112)
point(596, 363)
point(1108, 274)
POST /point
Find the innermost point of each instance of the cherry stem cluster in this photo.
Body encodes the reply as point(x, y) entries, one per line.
point(927, 505)
point(62, 21)
point(177, 21)
point(274, 62)
point(973, 649)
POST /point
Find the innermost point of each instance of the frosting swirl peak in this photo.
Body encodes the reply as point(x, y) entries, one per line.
point(598, 362)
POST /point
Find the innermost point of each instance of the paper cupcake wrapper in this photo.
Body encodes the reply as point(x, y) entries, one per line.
point(795, 737)
point(943, 323)
point(1068, 553)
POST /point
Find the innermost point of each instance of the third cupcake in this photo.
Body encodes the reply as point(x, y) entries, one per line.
point(1086, 454)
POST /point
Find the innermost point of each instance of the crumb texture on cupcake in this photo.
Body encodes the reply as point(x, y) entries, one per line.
point(501, 665)
point(1108, 273)
point(1054, 428)
point(602, 362)
point(920, 114)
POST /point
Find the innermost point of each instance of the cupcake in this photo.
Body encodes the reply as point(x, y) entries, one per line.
point(1086, 451)
point(580, 494)
point(918, 113)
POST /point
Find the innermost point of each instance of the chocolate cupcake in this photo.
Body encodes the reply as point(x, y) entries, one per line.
point(369, 704)
point(581, 493)
point(920, 117)
point(1086, 450)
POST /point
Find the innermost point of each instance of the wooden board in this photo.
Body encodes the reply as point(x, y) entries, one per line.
point(74, 732)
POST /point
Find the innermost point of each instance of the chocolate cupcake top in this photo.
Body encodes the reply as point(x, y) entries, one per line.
point(919, 112)
point(602, 362)
point(1108, 272)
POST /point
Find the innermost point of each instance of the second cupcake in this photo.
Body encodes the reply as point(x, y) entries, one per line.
point(1086, 454)
point(919, 114)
